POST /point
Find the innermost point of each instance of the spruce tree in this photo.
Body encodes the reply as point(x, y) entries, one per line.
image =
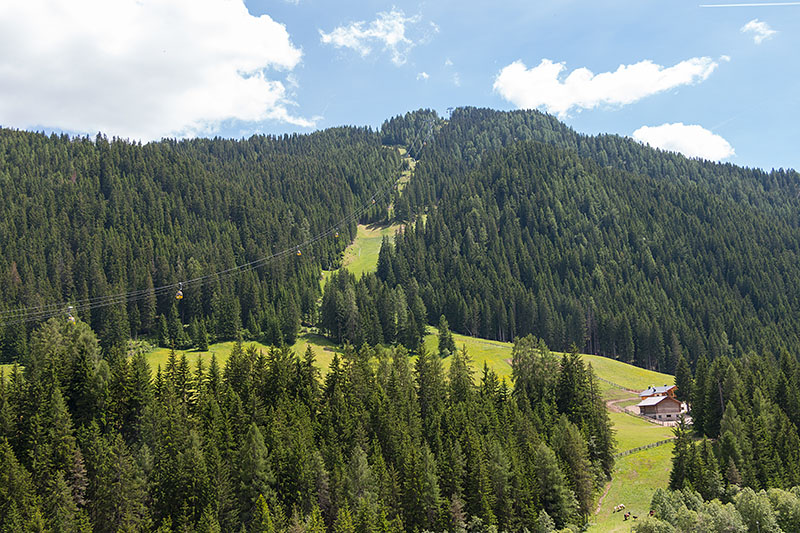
point(680, 456)
point(255, 473)
point(447, 345)
point(557, 499)
point(683, 380)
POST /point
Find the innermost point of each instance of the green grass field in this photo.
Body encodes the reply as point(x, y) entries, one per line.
point(323, 349)
point(495, 354)
point(222, 350)
point(632, 432)
point(635, 479)
point(406, 175)
point(628, 376)
point(362, 255)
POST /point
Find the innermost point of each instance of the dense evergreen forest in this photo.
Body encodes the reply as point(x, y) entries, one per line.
point(514, 225)
point(83, 219)
point(737, 469)
point(623, 250)
point(265, 444)
point(511, 225)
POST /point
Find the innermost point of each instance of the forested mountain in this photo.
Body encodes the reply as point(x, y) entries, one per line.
point(511, 224)
point(599, 241)
point(84, 219)
point(529, 227)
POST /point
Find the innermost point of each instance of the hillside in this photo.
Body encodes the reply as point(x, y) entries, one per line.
point(502, 227)
point(623, 250)
point(598, 241)
point(86, 220)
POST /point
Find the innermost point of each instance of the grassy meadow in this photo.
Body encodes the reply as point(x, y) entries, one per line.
point(323, 349)
point(635, 479)
point(362, 255)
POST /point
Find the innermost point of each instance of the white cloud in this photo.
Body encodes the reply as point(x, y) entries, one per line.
point(689, 139)
point(423, 76)
point(760, 30)
point(387, 30)
point(141, 69)
point(456, 79)
point(725, 58)
point(542, 86)
point(448, 63)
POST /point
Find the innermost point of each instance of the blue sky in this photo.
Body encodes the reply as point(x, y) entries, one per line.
point(721, 83)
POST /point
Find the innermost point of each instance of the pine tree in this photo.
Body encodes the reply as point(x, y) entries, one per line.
point(680, 456)
point(261, 521)
point(571, 449)
point(202, 337)
point(344, 521)
point(447, 345)
point(255, 473)
point(698, 405)
point(557, 499)
point(19, 504)
point(683, 380)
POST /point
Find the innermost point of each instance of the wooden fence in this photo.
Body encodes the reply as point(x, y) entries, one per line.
point(645, 447)
point(617, 385)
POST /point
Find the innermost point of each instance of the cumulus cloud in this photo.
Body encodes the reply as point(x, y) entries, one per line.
point(543, 87)
point(423, 76)
point(141, 69)
point(388, 31)
point(760, 30)
point(689, 139)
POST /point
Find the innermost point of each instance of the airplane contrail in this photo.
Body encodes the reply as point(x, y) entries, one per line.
point(767, 4)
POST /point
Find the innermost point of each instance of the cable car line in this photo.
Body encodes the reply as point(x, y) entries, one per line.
point(45, 311)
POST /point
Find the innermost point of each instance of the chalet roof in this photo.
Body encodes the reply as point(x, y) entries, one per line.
point(656, 390)
point(655, 400)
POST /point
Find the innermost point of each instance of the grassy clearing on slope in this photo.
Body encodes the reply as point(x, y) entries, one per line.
point(635, 479)
point(613, 393)
point(323, 349)
point(498, 356)
point(222, 350)
point(628, 376)
point(362, 255)
point(405, 176)
point(495, 354)
point(632, 432)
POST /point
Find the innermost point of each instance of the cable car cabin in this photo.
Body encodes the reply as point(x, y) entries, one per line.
point(336, 234)
point(179, 295)
point(71, 319)
point(299, 253)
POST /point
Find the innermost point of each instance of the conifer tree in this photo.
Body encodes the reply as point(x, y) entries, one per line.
point(680, 456)
point(447, 346)
point(255, 473)
point(683, 380)
point(698, 405)
point(557, 499)
point(261, 521)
